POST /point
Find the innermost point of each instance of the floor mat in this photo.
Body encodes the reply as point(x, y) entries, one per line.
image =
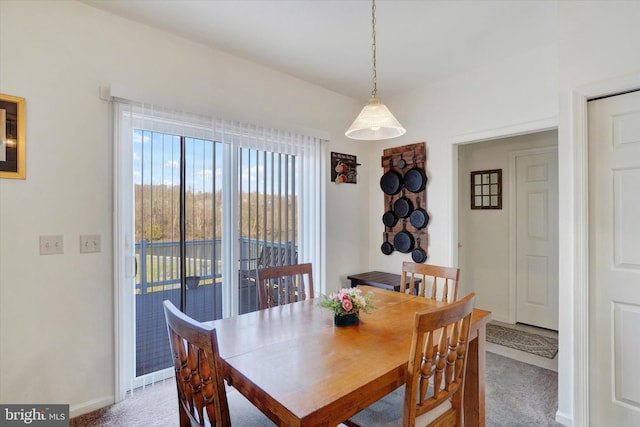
point(523, 341)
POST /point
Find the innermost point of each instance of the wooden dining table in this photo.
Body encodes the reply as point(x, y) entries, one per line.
point(299, 369)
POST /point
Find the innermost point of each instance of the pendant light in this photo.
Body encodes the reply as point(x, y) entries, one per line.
point(375, 121)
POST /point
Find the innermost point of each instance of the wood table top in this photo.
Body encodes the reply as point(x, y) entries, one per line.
point(299, 369)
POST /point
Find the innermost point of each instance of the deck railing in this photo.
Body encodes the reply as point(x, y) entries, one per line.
point(158, 278)
point(158, 265)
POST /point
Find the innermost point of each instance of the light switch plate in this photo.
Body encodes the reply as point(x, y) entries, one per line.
point(90, 243)
point(51, 245)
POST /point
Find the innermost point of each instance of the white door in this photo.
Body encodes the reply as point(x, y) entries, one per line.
point(537, 239)
point(614, 260)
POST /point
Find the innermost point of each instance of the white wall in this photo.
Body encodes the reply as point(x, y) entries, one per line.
point(57, 311)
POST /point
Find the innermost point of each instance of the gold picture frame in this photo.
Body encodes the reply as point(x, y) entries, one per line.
point(12, 137)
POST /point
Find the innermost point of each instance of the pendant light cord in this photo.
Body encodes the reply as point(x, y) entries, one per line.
point(374, 92)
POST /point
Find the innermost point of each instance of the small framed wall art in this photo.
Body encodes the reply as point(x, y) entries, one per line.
point(343, 168)
point(12, 138)
point(486, 189)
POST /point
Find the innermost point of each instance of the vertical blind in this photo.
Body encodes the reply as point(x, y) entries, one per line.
point(247, 188)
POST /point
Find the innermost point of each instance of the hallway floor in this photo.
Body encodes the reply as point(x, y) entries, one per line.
point(543, 362)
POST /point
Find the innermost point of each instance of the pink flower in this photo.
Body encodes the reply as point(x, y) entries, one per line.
point(347, 304)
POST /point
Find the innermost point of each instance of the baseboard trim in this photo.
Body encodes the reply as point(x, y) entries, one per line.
point(501, 318)
point(564, 419)
point(90, 406)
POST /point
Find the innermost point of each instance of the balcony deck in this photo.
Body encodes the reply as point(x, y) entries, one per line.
point(152, 342)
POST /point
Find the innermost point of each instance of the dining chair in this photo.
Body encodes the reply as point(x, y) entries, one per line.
point(438, 283)
point(434, 388)
point(202, 397)
point(285, 284)
point(269, 256)
point(201, 390)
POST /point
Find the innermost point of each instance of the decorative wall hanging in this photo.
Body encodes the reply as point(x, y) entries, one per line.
point(486, 189)
point(12, 137)
point(343, 168)
point(405, 217)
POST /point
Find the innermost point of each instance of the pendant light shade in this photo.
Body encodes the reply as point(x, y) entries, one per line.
point(375, 121)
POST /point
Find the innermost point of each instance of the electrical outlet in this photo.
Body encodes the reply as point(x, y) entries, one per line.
point(51, 245)
point(90, 243)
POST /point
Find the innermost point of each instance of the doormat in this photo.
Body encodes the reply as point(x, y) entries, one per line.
point(523, 341)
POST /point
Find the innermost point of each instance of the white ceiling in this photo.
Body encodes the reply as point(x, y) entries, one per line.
point(328, 42)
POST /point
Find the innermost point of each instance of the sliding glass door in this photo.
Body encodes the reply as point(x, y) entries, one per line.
point(174, 183)
point(200, 204)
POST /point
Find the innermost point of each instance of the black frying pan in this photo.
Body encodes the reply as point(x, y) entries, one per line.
point(401, 163)
point(391, 181)
point(403, 240)
point(403, 206)
point(389, 218)
point(386, 247)
point(419, 218)
point(419, 255)
point(415, 179)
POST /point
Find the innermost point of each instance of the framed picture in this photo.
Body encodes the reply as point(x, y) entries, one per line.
point(12, 139)
point(486, 189)
point(343, 168)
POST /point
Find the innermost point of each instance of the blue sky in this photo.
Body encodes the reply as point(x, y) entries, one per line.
point(156, 158)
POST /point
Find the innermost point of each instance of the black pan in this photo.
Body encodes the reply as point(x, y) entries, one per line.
point(419, 255)
point(415, 179)
point(389, 218)
point(403, 207)
point(403, 240)
point(401, 163)
point(387, 247)
point(391, 181)
point(419, 218)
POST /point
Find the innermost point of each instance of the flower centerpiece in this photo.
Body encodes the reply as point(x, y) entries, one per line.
point(346, 305)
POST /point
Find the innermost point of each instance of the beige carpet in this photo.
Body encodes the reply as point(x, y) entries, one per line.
point(157, 406)
point(518, 395)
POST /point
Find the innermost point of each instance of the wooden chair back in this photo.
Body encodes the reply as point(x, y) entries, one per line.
point(271, 256)
point(437, 363)
point(268, 256)
point(202, 399)
point(438, 283)
point(285, 284)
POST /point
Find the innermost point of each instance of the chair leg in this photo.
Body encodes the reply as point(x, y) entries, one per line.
point(184, 418)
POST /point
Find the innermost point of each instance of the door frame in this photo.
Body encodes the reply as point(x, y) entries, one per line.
point(577, 236)
point(513, 155)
